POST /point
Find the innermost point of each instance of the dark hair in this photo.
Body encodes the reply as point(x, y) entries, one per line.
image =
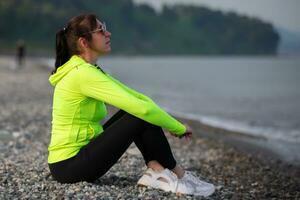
point(67, 37)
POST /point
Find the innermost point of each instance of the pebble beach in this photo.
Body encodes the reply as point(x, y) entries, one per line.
point(25, 125)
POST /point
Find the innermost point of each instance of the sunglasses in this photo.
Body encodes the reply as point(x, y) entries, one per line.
point(101, 29)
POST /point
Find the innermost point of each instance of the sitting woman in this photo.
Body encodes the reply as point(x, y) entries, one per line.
point(80, 148)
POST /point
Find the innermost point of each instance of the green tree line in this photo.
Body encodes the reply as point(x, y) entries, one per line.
point(139, 29)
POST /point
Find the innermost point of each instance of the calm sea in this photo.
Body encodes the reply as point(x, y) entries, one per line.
point(254, 95)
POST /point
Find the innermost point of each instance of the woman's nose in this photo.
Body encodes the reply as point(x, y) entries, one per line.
point(107, 33)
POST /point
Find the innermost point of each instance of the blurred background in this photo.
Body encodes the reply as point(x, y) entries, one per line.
point(230, 64)
point(160, 27)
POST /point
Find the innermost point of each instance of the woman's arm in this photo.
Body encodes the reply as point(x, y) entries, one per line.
point(130, 90)
point(95, 84)
point(187, 134)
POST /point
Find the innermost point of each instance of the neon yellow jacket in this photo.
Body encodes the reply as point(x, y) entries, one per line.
point(80, 94)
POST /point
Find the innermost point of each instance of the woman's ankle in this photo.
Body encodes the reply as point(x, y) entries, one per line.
point(154, 165)
point(179, 171)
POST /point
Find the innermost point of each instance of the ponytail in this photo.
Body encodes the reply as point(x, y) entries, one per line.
point(66, 38)
point(61, 49)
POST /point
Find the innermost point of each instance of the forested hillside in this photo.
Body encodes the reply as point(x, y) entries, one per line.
point(139, 29)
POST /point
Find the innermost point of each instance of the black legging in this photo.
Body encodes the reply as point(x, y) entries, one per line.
point(97, 157)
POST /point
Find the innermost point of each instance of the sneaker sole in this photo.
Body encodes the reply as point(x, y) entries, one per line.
point(178, 194)
point(207, 193)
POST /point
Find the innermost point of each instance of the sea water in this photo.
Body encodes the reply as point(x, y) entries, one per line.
point(259, 96)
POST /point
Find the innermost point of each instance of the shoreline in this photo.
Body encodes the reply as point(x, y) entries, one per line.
point(283, 151)
point(262, 148)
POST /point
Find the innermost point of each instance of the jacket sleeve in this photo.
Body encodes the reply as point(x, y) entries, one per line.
point(97, 85)
point(130, 90)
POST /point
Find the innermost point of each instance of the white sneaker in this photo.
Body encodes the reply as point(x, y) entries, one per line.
point(165, 180)
point(201, 187)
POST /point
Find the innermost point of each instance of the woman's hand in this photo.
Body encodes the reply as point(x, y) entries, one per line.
point(188, 133)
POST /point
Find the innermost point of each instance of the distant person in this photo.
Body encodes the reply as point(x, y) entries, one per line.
point(81, 149)
point(20, 53)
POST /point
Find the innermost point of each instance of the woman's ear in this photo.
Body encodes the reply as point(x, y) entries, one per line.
point(82, 43)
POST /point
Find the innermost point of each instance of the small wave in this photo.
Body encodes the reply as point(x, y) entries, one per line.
point(292, 136)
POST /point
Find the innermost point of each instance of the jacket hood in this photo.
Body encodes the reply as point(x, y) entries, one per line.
point(64, 69)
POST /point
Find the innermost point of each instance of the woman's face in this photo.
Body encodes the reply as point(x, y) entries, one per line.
point(100, 40)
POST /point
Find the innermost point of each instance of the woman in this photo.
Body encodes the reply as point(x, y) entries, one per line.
point(80, 148)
